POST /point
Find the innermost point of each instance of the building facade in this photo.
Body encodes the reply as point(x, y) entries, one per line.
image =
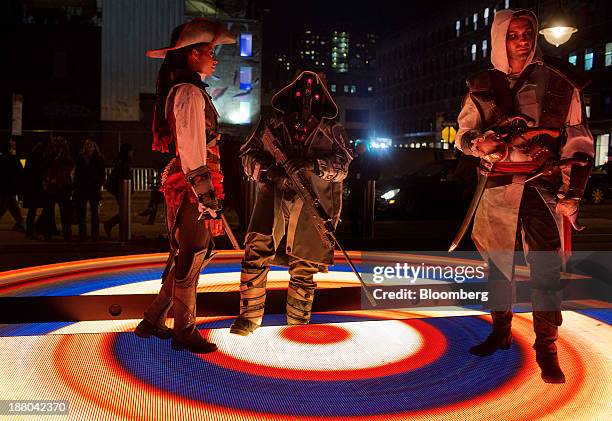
point(348, 61)
point(422, 70)
point(131, 27)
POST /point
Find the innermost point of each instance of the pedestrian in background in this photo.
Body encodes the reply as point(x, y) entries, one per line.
point(122, 170)
point(57, 187)
point(155, 199)
point(88, 181)
point(33, 194)
point(11, 174)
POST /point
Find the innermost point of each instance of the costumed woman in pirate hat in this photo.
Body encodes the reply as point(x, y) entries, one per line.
point(192, 182)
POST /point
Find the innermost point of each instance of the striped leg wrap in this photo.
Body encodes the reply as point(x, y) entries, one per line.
point(299, 303)
point(253, 293)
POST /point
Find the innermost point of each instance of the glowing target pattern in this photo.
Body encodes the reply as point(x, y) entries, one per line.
point(357, 366)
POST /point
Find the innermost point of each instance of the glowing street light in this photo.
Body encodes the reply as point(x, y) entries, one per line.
point(558, 35)
point(558, 29)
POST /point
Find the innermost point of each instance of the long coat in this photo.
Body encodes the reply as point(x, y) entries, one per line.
point(496, 219)
point(89, 176)
point(280, 207)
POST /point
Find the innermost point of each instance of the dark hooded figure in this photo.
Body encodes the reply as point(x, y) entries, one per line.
point(546, 94)
point(281, 230)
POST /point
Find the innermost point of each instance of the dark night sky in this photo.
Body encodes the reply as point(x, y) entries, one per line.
point(381, 17)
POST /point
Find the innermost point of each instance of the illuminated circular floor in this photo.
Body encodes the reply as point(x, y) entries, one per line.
point(375, 365)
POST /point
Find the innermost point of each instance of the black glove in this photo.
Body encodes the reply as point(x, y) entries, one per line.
point(297, 164)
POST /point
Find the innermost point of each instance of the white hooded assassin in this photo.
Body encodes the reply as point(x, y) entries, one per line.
point(281, 231)
point(524, 120)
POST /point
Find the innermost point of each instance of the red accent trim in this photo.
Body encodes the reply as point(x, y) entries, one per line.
point(515, 167)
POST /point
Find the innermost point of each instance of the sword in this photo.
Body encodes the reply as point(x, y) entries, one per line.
point(229, 233)
point(226, 227)
point(483, 174)
point(482, 184)
point(572, 219)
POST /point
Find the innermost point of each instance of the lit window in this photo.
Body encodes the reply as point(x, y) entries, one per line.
point(608, 56)
point(370, 88)
point(573, 58)
point(353, 89)
point(333, 87)
point(486, 16)
point(507, 4)
point(588, 59)
point(245, 78)
point(475, 20)
point(485, 47)
point(473, 52)
point(587, 109)
point(346, 88)
point(457, 28)
point(602, 145)
point(246, 45)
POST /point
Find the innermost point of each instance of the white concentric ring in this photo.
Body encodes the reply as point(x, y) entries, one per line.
point(394, 341)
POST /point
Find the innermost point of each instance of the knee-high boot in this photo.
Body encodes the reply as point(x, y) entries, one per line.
point(154, 321)
point(499, 338)
point(186, 334)
point(252, 300)
point(546, 325)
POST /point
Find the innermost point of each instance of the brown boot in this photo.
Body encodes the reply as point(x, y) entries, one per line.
point(546, 326)
point(186, 335)
point(154, 322)
point(252, 300)
point(549, 364)
point(499, 338)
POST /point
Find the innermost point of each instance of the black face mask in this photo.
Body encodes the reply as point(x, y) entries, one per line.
point(306, 98)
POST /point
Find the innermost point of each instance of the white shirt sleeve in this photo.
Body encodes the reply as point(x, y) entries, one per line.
point(190, 127)
point(469, 121)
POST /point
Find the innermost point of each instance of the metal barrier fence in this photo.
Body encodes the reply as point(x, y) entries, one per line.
point(142, 178)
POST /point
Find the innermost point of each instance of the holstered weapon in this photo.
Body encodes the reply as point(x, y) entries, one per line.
point(312, 205)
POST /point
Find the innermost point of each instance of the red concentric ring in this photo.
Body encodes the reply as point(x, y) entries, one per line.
point(432, 347)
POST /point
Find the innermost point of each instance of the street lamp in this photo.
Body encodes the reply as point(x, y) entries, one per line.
point(558, 29)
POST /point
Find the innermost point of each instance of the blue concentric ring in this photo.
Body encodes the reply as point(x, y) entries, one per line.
point(191, 377)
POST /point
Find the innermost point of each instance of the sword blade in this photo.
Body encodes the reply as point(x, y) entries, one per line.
point(230, 233)
point(480, 188)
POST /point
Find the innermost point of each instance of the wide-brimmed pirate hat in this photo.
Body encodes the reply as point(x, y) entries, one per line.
point(195, 31)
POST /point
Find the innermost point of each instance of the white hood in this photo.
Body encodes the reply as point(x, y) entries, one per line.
point(499, 28)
